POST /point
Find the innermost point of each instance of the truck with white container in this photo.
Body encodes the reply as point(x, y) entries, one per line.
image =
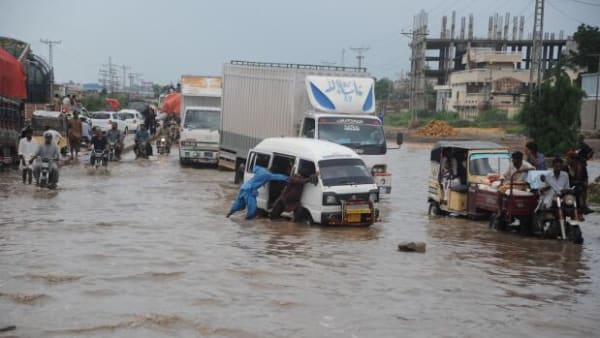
point(200, 119)
point(336, 104)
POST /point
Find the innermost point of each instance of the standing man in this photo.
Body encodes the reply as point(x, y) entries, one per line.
point(56, 103)
point(75, 127)
point(27, 149)
point(584, 151)
point(66, 104)
point(534, 157)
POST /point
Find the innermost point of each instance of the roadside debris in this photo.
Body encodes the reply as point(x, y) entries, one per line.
point(412, 247)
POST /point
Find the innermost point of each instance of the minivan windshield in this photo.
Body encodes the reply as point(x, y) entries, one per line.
point(202, 119)
point(348, 171)
point(364, 135)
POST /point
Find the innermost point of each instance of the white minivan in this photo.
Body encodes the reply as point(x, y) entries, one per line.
point(345, 193)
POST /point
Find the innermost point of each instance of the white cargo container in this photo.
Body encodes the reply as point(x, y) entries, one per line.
point(200, 119)
point(337, 104)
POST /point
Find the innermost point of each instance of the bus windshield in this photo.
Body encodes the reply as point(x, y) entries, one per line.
point(364, 135)
point(202, 119)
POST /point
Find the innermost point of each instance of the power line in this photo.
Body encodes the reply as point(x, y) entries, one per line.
point(559, 11)
point(587, 3)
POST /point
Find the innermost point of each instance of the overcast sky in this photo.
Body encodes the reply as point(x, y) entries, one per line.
point(164, 39)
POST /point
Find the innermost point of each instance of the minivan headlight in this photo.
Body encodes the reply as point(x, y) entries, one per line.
point(373, 197)
point(330, 199)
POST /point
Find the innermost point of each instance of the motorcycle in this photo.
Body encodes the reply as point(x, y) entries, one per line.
point(554, 222)
point(173, 132)
point(163, 146)
point(99, 158)
point(45, 173)
point(141, 150)
point(27, 170)
point(112, 153)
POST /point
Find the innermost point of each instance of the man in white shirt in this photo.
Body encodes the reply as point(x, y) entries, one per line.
point(519, 169)
point(557, 180)
point(27, 148)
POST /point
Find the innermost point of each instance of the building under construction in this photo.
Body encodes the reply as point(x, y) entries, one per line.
point(434, 60)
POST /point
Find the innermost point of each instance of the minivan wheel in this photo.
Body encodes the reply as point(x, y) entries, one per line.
point(304, 217)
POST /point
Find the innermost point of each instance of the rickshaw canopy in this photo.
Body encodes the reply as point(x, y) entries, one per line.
point(463, 146)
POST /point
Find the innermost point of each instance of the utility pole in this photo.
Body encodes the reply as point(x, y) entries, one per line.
point(597, 90)
point(125, 69)
point(51, 44)
point(416, 38)
point(109, 76)
point(537, 62)
point(359, 54)
point(343, 61)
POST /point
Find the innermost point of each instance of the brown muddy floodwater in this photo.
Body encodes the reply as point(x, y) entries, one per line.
point(146, 252)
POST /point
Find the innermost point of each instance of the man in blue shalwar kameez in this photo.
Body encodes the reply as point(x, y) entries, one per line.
point(249, 190)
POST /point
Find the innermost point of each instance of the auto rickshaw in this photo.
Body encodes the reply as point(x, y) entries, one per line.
point(41, 119)
point(459, 169)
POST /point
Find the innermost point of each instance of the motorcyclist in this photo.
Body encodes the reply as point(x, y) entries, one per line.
point(27, 149)
point(113, 135)
point(141, 136)
point(558, 182)
point(49, 151)
point(98, 142)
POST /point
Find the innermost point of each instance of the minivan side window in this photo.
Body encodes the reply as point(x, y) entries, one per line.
point(308, 129)
point(306, 168)
point(257, 159)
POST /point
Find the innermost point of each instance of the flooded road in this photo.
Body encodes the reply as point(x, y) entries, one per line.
point(146, 251)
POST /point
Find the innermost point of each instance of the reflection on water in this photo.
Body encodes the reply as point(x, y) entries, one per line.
point(146, 251)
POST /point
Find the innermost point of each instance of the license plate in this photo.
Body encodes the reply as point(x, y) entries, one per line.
point(207, 154)
point(353, 218)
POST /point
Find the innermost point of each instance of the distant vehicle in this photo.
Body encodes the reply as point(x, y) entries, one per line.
point(132, 119)
point(104, 120)
point(336, 104)
point(200, 119)
point(345, 193)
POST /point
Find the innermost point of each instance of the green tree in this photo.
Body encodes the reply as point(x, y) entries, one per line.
point(588, 44)
point(552, 119)
point(383, 88)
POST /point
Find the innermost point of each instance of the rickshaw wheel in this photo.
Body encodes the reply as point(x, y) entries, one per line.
point(434, 209)
point(496, 222)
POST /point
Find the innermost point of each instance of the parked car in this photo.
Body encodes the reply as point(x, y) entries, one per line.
point(132, 118)
point(104, 120)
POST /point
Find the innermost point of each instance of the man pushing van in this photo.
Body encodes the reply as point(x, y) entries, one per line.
point(247, 195)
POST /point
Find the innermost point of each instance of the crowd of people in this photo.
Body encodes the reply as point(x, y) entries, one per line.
point(561, 177)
